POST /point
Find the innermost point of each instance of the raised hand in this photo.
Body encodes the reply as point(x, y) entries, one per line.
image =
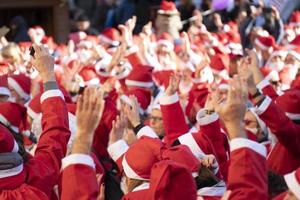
point(118, 128)
point(253, 63)
point(246, 74)
point(132, 111)
point(233, 110)
point(43, 63)
point(173, 84)
point(89, 111)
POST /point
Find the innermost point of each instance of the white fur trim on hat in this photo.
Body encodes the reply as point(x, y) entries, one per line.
point(167, 43)
point(146, 131)
point(262, 46)
point(4, 91)
point(11, 82)
point(138, 83)
point(78, 159)
point(117, 149)
point(238, 143)
point(188, 140)
point(8, 124)
point(130, 173)
point(11, 172)
point(169, 12)
point(107, 40)
point(293, 184)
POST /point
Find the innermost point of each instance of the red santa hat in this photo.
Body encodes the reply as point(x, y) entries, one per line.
point(34, 106)
point(295, 42)
point(293, 182)
point(110, 36)
point(12, 115)
point(295, 18)
point(152, 150)
point(266, 43)
point(143, 97)
point(195, 145)
point(141, 156)
point(270, 74)
point(287, 75)
point(141, 77)
point(171, 180)
point(219, 64)
point(89, 76)
point(21, 84)
point(223, 85)
point(167, 8)
point(166, 39)
point(7, 141)
point(290, 103)
point(78, 36)
point(4, 86)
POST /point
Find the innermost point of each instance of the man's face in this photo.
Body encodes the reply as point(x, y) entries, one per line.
point(3, 98)
point(83, 25)
point(156, 122)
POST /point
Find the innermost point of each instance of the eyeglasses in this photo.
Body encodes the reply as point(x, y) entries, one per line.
point(155, 118)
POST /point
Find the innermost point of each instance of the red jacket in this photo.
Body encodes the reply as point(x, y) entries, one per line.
point(40, 173)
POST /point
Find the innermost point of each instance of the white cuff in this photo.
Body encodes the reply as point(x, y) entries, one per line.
point(73, 159)
point(261, 85)
point(146, 131)
point(117, 149)
point(51, 93)
point(203, 119)
point(263, 106)
point(167, 100)
point(132, 50)
point(238, 143)
point(293, 184)
point(188, 140)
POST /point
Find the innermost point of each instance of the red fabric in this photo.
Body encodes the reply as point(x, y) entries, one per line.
point(173, 128)
point(220, 143)
point(72, 187)
point(269, 91)
point(101, 136)
point(284, 157)
point(247, 175)
point(42, 171)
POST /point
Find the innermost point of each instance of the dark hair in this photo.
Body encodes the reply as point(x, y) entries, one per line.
point(276, 184)
point(206, 178)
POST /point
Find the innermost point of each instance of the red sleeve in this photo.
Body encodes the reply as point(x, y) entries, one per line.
point(133, 57)
point(247, 175)
point(78, 178)
point(101, 136)
point(210, 126)
point(286, 131)
point(267, 89)
point(45, 167)
point(173, 118)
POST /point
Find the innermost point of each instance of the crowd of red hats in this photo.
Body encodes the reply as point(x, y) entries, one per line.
point(150, 116)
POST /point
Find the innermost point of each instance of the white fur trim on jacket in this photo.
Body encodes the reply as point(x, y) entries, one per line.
point(83, 159)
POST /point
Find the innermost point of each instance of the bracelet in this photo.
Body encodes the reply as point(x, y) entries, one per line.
point(257, 93)
point(209, 112)
point(138, 128)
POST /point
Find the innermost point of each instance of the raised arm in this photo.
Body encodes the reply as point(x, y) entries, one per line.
point(174, 121)
point(79, 165)
point(53, 141)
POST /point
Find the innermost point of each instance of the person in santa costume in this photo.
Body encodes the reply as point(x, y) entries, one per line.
point(24, 180)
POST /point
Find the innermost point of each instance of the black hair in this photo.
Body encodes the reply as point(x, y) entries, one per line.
point(205, 178)
point(276, 184)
